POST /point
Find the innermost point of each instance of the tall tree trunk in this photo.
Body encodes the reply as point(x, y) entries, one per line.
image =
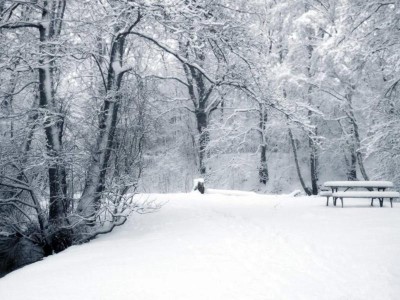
point(7, 104)
point(263, 174)
point(199, 94)
point(53, 13)
point(96, 176)
point(356, 134)
point(352, 165)
point(313, 148)
point(350, 155)
point(360, 158)
point(202, 123)
point(100, 159)
point(311, 143)
point(313, 165)
point(296, 160)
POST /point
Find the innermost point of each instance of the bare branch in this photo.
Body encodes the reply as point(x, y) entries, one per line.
point(16, 93)
point(168, 78)
point(20, 24)
point(175, 54)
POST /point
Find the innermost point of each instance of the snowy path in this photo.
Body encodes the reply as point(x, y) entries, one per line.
point(222, 246)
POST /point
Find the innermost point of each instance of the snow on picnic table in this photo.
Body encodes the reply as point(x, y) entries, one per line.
point(225, 246)
point(361, 183)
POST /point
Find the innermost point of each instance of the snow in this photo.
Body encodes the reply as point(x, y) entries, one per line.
point(196, 181)
point(230, 192)
point(325, 193)
point(366, 194)
point(116, 65)
point(228, 246)
point(382, 184)
point(295, 193)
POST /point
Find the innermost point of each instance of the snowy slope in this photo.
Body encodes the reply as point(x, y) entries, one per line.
point(229, 246)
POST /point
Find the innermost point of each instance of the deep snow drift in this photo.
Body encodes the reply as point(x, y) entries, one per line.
point(229, 246)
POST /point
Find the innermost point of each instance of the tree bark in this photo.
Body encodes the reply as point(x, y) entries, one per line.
point(263, 169)
point(100, 159)
point(311, 143)
point(313, 165)
point(95, 179)
point(199, 94)
point(296, 160)
point(7, 104)
point(352, 166)
point(202, 123)
point(53, 13)
point(356, 134)
point(351, 163)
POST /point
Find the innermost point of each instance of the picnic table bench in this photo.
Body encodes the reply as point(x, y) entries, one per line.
point(375, 190)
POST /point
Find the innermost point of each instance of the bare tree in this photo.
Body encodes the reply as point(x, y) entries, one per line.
point(50, 13)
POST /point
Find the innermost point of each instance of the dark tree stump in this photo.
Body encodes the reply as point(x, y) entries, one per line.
point(199, 185)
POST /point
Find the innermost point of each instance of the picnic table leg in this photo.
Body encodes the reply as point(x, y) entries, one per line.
point(391, 202)
point(341, 199)
point(372, 202)
point(334, 201)
point(381, 202)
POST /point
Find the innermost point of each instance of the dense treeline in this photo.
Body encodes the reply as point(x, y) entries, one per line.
point(100, 98)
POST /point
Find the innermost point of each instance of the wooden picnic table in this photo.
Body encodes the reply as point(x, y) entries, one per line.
point(376, 189)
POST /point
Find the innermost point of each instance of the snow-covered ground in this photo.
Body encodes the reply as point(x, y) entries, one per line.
point(229, 246)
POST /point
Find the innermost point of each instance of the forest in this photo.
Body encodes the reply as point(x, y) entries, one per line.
point(102, 99)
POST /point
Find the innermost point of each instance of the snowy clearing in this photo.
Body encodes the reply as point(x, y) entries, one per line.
point(229, 246)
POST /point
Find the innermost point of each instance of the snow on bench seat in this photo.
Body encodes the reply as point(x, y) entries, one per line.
point(325, 193)
point(366, 194)
point(382, 184)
